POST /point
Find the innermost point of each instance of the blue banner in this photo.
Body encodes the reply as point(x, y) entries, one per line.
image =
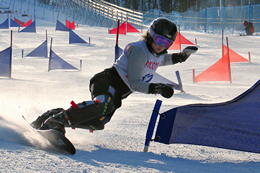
point(232, 125)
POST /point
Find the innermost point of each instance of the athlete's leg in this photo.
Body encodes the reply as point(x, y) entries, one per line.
point(102, 104)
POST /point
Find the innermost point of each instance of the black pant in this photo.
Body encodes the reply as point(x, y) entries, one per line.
point(101, 82)
point(107, 82)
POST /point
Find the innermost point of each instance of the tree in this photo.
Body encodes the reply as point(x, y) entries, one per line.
point(166, 6)
point(183, 5)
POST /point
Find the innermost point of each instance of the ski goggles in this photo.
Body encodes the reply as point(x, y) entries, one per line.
point(160, 40)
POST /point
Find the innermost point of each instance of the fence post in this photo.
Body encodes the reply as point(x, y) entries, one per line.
point(205, 26)
point(249, 11)
point(80, 65)
point(234, 12)
point(223, 17)
point(214, 18)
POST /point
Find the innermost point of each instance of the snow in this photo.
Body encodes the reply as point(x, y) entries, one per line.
point(119, 147)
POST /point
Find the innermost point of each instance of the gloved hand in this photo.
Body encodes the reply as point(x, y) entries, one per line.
point(163, 89)
point(184, 55)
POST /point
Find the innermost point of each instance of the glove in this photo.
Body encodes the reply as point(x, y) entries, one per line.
point(159, 88)
point(184, 55)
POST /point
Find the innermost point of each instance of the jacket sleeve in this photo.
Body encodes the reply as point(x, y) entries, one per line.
point(170, 59)
point(136, 64)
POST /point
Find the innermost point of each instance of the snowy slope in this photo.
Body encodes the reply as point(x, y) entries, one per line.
point(118, 148)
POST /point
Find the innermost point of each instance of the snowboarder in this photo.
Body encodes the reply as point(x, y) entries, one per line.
point(131, 72)
point(249, 27)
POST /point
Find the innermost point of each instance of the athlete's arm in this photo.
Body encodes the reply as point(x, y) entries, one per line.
point(136, 64)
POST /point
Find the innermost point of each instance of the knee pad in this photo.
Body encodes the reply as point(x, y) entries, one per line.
point(107, 100)
point(88, 110)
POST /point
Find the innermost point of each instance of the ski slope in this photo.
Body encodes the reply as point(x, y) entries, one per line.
point(32, 90)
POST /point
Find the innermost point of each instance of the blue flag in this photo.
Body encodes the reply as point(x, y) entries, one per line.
point(61, 27)
point(74, 38)
point(5, 62)
point(30, 28)
point(40, 51)
point(55, 62)
point(14, 24)
point(118, 52)
point(5, 24)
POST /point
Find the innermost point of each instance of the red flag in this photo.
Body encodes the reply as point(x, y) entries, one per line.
point(122, 29)
point(27, 23)
point(130, 28)
point(179, 41)
point(234, 57)
point(220, 71)
point(18, 21)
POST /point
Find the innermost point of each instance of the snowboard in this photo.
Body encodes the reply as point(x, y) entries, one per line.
point(57, 140)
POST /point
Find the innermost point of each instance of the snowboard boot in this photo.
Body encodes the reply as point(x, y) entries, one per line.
point(51, 123)
point(40, 120)
point(57, 122)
